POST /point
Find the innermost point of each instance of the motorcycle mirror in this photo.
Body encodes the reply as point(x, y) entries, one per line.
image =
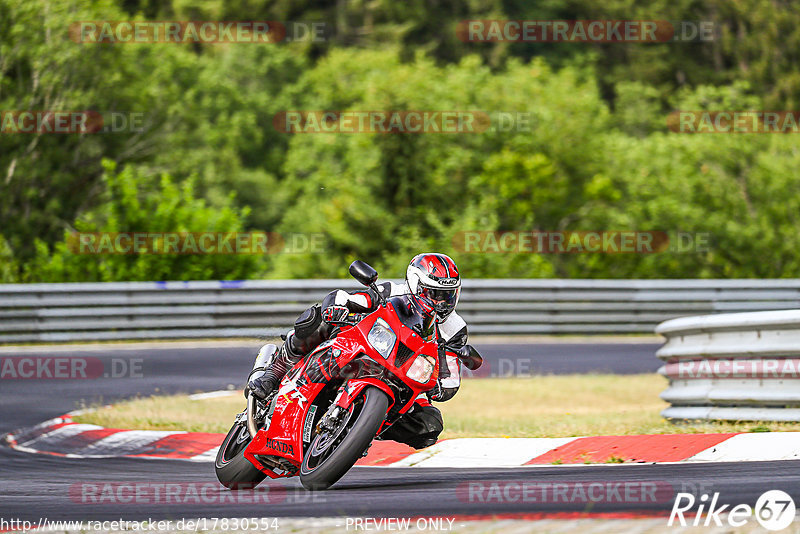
point(363, 272)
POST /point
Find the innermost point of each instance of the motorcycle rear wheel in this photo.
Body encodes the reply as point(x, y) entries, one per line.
point(324, 464)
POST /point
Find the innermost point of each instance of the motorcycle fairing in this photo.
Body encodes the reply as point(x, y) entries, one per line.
point(302, 385)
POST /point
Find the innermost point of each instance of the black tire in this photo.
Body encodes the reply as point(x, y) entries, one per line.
point(360, 431)
point(234, 471)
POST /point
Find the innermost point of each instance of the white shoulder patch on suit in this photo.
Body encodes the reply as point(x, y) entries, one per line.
point(451, 326)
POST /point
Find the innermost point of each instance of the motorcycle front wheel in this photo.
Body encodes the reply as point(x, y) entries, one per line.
point(234, 471)
point(332, 453)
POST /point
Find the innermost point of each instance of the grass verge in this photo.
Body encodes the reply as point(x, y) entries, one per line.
point(542, 406)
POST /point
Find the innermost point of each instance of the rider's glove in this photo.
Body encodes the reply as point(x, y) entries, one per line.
point(441, 394)
point(335, 314)
point(436, 392)
point(340, 315)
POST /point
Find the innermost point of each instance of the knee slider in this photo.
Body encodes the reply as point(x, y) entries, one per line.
point(431, 419)
point(309, 330)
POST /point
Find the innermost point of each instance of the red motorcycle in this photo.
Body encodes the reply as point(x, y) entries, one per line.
point(335, 401)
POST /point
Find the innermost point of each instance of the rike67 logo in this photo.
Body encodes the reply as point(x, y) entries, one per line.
point(774, 510)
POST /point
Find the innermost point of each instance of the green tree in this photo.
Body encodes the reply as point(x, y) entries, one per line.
point(136, 202)
point(49, 179)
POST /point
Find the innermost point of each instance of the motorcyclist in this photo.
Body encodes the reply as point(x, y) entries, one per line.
point(432, 286)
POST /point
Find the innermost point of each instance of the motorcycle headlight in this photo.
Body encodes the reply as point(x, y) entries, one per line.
point(422, 368)
point(382, 338)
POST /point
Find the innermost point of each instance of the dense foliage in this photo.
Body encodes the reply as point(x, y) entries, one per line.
point(596, 154)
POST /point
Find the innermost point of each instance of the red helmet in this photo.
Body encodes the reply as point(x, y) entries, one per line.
point(434, 283)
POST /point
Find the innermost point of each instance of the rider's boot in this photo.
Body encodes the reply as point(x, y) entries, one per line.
point(264, 383)
point(309, 331)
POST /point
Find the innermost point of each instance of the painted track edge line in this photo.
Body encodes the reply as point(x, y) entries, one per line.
point(60, 436)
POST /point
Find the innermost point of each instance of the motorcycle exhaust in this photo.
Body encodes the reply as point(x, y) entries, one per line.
point(252, 429)
point(265, 357)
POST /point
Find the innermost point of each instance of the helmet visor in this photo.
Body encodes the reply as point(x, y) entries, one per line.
point(442, 300)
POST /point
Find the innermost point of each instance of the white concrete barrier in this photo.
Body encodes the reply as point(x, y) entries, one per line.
point(735, 366)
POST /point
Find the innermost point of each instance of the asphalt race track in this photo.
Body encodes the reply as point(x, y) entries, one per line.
point(37, 486)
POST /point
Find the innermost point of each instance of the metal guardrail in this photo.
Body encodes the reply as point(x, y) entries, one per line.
point(163, 310)
point(740, 366)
